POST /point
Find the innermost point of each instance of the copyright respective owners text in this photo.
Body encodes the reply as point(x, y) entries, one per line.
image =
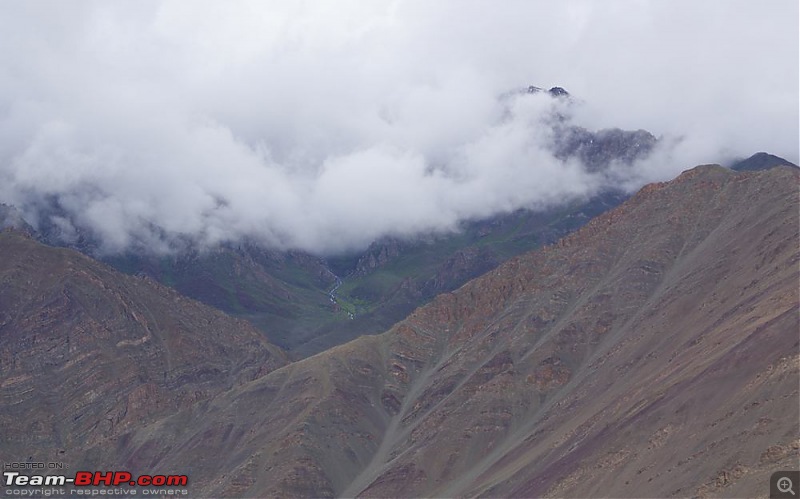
point(48, 479)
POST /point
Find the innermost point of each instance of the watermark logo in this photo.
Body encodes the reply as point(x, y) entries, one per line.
point(783, 485)
point(37, 479)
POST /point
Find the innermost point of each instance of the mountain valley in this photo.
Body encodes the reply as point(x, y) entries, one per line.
point(653, 352)
point(400, 249)
point(289, 295)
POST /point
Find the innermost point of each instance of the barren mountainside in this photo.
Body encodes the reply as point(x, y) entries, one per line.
point(652, 353)
point(88, 354)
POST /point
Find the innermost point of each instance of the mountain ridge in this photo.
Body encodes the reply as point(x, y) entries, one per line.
point(468, 309)
point(652, 352)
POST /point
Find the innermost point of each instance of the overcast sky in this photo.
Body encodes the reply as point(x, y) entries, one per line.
point(324, 125)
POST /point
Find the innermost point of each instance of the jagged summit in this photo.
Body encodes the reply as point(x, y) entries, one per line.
point(598, 149)
point(554, 91)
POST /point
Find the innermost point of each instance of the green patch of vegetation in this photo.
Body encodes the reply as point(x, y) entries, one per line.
point(286, 295)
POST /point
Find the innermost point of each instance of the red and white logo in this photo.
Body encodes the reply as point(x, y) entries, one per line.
point(94, 478)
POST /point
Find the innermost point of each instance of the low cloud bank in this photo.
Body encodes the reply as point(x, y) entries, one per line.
point(150, 123)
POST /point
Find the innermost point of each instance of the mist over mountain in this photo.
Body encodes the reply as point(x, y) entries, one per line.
point(324, 128)
point(531, 156)
point(652, 353)
point(400, 248)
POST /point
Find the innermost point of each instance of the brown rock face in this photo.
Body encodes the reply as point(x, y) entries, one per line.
point(87, 353)
point(653, 353)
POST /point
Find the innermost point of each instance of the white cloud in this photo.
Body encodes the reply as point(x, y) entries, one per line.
point(324, 125)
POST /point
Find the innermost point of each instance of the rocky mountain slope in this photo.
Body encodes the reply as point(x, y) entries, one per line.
point(392, 277)
point(88, 354)
point(284, 294)
point(652, 353)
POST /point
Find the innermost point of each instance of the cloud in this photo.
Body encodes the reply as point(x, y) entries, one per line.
point(323, 126)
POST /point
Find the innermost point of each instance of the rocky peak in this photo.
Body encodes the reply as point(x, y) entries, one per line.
point(760, 161)
point(558, 92)
point(598, 149)
point(377, 255)
point(553, 92)
point(595, 149)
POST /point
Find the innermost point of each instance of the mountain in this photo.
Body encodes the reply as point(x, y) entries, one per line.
point(651, 353)
point(392, 277)
point(88, 353)
point(308, 303)
point(284, 294)
point(598, 150)
point(760, 161)
point(288, 294)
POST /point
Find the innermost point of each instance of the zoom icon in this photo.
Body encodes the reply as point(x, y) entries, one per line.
point(783, 484)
